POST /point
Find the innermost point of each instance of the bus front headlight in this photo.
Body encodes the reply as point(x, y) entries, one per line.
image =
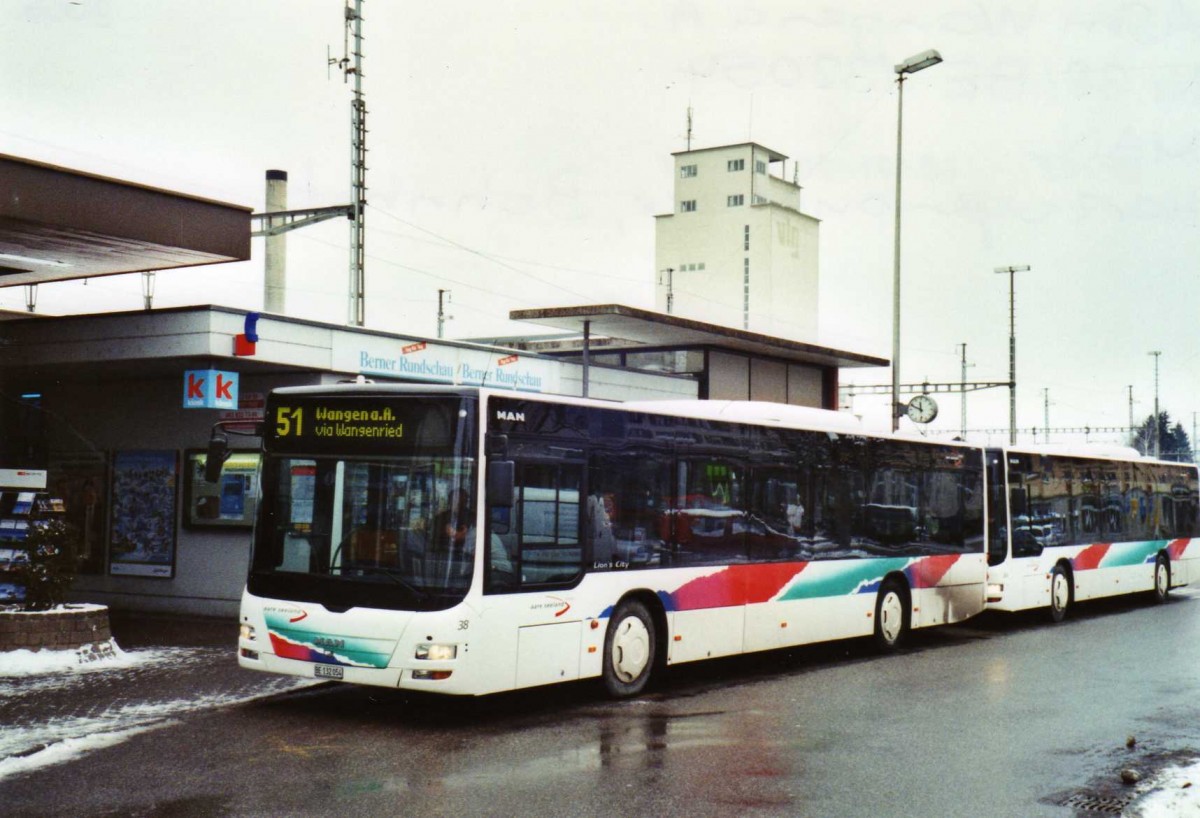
point(436, 653)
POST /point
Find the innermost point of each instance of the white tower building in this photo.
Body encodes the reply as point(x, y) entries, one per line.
point(737, 250)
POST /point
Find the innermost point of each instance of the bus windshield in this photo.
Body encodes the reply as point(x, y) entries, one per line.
point(389, 525)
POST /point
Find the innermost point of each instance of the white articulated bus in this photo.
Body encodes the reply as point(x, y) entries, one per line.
point(469, 541)
point(1084, 523)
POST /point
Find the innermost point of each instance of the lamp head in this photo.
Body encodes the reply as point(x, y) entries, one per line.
point(921, 61)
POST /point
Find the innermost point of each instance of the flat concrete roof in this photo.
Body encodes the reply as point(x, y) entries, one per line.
point(58, 224)
point(657, 329)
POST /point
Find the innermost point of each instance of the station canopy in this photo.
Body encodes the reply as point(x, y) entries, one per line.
point(58, 224)
point(646, 328)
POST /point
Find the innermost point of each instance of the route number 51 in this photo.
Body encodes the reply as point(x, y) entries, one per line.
point(289, 421)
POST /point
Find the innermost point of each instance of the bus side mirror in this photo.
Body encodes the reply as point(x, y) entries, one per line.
point(218, 453)
point(501, 478)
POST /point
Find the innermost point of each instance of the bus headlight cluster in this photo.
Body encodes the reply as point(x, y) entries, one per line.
point(995, 592)
point(247, 632)
point(436, 653)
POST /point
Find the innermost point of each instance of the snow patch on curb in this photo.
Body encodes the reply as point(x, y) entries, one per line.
point(1176, 794)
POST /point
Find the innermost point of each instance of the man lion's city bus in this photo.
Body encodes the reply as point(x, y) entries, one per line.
point(1084, 523)
point(468, 541)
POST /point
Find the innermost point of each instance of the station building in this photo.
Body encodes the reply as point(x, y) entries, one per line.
point(118, 407)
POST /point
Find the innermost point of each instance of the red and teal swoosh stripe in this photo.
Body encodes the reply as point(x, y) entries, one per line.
point(738, 585)
point(291, 642)
point(1177, 549)
point(1125, 554)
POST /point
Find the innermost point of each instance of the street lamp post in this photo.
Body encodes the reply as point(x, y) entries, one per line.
point(910, 66)
point(1012, 351)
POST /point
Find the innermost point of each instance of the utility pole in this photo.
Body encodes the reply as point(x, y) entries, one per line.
point(442, 318)
point(963, 388)
point(670, 271)
point(148, 288)
point(1012, 350)
point(1046, 414)
point(1154, 426)
point(1130, 388)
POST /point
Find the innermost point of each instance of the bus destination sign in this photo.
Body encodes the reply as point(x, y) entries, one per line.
point(362, 425)
point(337, 422)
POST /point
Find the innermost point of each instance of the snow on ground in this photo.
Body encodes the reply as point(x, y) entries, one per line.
point(66, 750)
point(108, 702)
point(19, 663)
point(1176, 794)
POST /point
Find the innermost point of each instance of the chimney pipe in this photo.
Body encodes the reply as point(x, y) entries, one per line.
point(275, 254)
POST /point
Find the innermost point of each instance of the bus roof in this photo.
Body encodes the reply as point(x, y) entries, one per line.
point(749, 411)
point(1108, 451)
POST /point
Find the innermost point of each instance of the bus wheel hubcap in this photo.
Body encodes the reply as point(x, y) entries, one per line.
point(630, 649)
point(1060, 591)
point(891, 614)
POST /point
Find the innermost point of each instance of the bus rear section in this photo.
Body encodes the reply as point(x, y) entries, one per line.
point(1077, 526)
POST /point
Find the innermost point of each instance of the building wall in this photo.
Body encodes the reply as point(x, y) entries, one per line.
point(113, 385)
point(712, 248)
point(94, 420)
point(741, 377)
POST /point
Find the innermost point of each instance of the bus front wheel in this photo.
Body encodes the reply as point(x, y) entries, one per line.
point(629, 649)
point(891, 615)
point(1060, 593)
point(1162, 579)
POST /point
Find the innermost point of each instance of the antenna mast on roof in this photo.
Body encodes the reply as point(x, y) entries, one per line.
point(689, 128)
point(358, 161)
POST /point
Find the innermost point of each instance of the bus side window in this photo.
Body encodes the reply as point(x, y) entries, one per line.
point(710, 520)
point(548, 514)
point(778, 515)
point(625, 520)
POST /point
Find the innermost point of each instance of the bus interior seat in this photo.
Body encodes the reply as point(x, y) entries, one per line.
point(374, 547)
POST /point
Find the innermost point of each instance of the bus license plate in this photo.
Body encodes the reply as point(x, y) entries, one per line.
point(329, 672)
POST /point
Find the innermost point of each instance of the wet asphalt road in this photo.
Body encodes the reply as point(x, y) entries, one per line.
point(1001, 717)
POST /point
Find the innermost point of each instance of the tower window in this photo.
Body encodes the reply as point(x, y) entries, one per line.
point(687, 171)
point(735, 165)
point(687, 206)
point(760, 166)
point(735, 201)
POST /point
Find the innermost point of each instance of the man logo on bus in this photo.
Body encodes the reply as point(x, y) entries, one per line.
point(518, 417)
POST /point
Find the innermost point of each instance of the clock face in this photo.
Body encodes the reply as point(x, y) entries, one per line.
point(922, 409)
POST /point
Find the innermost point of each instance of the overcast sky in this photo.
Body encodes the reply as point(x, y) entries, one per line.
point(520, 150)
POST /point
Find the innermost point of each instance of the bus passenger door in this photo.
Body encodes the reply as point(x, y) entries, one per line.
point(534, 560)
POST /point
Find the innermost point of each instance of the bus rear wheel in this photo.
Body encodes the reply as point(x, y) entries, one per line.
point(1060, 593)
point(1162, 579)
point(891, 615)
point(629, 649)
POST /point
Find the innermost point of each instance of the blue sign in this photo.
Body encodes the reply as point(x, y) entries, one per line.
point(210, 389)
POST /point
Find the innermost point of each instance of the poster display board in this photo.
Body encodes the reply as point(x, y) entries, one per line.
point(229, 503)
point(144, 500)
point(81, 480)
